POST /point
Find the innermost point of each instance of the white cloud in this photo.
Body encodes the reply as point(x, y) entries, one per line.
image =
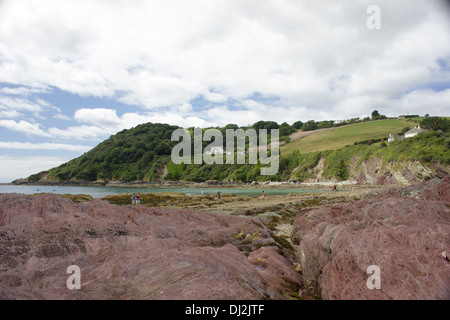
point(43, 146)
point(7, 103)
point(425, 101)
point(9, 114)
point(77, 133)
point(24, 127)
point(22, 91)
point(61, 116)
point(18, 107)
point(100, 117)
point(22, 167)
point(318, 58)
point(110, 122)
point(215, 97)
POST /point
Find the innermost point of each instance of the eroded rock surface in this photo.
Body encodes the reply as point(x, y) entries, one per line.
point(134, 252)
point(404, 236)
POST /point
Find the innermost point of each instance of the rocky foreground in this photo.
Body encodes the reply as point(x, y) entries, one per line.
point(135, 253)
point(298, 249)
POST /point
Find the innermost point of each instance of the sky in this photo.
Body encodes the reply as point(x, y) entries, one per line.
point(73, 73)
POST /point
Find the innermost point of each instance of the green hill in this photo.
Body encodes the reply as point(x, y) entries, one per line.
point(432, 149)
point(135, 154)
point(341, 136)
point(143, 154)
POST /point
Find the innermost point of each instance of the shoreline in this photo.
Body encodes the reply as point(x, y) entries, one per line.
point(206, 185)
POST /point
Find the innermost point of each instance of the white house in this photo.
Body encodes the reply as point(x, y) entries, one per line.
point(414, 132)
point(393, 137)
point(219, 150)
point(215, 150)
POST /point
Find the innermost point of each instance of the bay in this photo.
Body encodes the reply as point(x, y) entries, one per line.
point(100, 192)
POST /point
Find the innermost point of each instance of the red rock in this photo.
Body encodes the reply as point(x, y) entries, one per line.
point(129, 252)
point(277, 272)
point(401, 235)
point(439, 192)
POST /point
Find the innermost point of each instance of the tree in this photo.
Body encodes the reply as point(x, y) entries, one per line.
point(258, 125)
point(163, 148)
point(285, 129)
point(375, 114)
point(309, 125)
point(435, 123)
point(269, 125)
point(231, 126)
point(325, 124)
point(298, 125)
point(88, 174)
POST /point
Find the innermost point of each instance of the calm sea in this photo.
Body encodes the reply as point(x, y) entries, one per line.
point(100, 192)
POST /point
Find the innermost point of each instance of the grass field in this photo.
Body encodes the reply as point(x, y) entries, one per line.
point(346, 135)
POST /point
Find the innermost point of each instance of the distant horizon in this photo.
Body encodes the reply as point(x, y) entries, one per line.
point(74, 73)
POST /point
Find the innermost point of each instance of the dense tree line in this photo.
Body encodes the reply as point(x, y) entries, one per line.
point(436, 123)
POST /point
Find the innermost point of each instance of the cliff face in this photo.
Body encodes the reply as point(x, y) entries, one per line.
point(402, 173)
point(375, 172)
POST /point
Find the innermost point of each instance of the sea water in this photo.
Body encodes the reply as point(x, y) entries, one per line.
point(100, 192)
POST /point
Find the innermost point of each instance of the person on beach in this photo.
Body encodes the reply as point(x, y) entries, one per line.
point(138, 199)
point(133, 199)
point(335, 188)
point(218, 196)
point(263, 195)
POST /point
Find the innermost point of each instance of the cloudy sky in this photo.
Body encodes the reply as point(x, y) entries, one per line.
point(74, 72)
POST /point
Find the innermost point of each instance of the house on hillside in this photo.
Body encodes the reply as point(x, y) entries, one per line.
point(408, 134)
point(414, 132)
point(215, 150)
point(393, 137)
point(218, 150)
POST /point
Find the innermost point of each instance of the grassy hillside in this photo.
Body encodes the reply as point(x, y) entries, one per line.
point(143, 154)
point(345, 135)
point(432, 148)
